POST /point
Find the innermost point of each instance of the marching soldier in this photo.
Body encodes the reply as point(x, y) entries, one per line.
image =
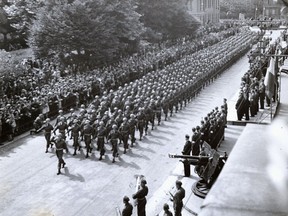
point(48, 128)
point(60, 146)
point(132, 127)
point(158, 109)
point(101, 132)
point(62, 127)
point(75, 130)
point(165, 107)
point(113, 136)
point(124, 130)
point(141, 122)
point(60, 117)
point(87, 131)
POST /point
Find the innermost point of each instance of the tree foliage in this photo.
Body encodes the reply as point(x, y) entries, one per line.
point(232, 8)
point(20, 14)
point(167, 18)
point(85, 31)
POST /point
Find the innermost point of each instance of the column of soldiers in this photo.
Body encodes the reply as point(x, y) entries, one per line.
point(116, 115)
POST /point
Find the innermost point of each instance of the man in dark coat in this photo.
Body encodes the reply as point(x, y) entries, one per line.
point(128, 208)
point(140, 197)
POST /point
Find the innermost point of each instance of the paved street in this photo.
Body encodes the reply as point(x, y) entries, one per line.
point(29, 184)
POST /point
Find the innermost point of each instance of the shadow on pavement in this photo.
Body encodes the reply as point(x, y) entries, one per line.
point(73, 177)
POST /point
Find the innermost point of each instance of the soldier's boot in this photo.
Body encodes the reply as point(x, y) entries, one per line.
point(74, 152)
point(90, 149)
point(87, 155)
point(63, 164)
point(100, 157)
point(79, 148)
point(59, 172)
point(125, 151)
point(113, 161)
point(46, 150)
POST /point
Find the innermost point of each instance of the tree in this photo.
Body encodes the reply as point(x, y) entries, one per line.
point(85, 32)
point(167, 18)
point(231, 9)
point(20, 14)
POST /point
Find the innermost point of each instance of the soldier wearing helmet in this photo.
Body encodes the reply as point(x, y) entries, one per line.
point(48, 128)
point(60, 145)
point(87, 131)
point(124, 130)
point(75, 131)
point(132, 127)
point(101, 133)
point(141, 122)
point(114, 136)
point(62, 127)
point(60, 117)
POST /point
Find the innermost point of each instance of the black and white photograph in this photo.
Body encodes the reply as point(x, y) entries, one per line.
point(143, 108)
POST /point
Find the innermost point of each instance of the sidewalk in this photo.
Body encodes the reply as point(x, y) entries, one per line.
point(192, 203)
point(255, 175)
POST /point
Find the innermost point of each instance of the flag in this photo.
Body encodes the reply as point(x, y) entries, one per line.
point(270, 78)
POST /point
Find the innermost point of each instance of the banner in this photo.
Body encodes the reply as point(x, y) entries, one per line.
point(270, 78)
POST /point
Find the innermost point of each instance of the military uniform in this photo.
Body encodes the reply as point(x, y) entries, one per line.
point(101, 132)
point(113, 136)
point(177, 200)
point(132, 127)
point(140, 197)
point(62, 127)
point(87, 130)
point(124, 130)
point(141, 122)
point(75, 130)
point(60, 146)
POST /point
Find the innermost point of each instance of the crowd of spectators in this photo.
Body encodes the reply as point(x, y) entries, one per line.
point(42, 89)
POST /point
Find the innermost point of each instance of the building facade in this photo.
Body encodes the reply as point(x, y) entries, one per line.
point(206, 11)
point(272, 8)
